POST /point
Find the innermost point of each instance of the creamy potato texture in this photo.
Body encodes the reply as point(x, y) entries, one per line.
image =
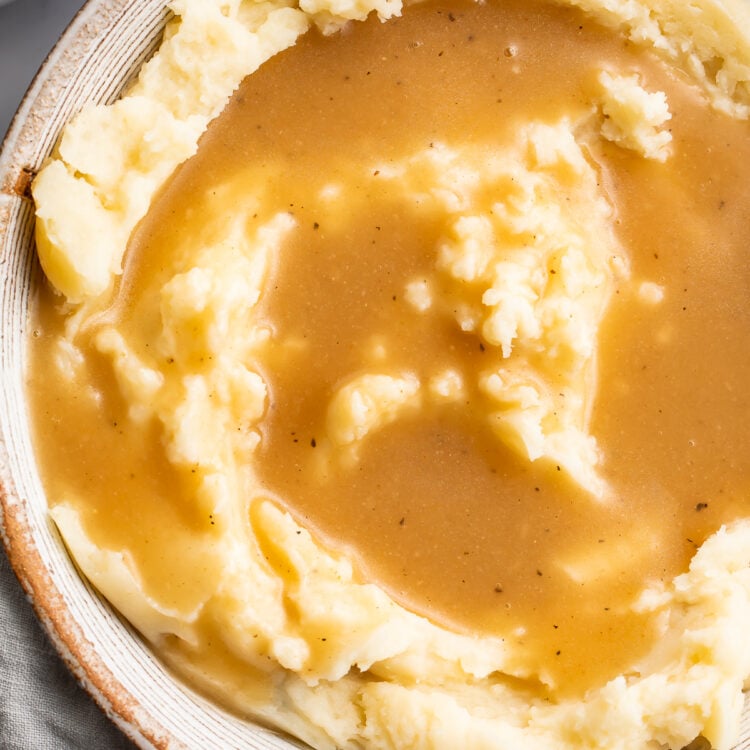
point(391, 376)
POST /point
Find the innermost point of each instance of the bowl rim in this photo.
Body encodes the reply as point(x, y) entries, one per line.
point(27, 143)
point(94, 60)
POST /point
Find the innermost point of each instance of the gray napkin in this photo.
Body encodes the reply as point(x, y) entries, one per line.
point(42, 707)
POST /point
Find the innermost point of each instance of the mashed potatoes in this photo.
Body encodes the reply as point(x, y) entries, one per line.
point(292, 348)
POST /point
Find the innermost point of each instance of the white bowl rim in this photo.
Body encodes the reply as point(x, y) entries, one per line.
point(152, 709)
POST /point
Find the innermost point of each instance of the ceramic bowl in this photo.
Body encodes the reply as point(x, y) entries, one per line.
point(94, 60)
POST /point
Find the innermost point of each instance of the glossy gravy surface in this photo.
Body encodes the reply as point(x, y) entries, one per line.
point(452, 524)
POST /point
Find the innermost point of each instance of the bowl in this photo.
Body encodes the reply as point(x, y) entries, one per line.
point(94, 60)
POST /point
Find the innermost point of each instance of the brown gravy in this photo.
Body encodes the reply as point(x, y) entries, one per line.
point(449, 522)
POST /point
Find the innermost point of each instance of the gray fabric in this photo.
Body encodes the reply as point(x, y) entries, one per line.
point(41, 705)
point(28, 31)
